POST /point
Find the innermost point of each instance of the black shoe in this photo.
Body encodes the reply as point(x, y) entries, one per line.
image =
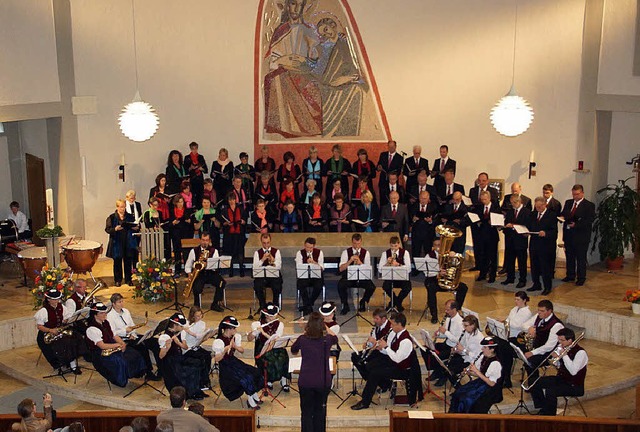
point(580, 282)
point(118, 284)
point(76, 371)
point(507, 385)
point(520, 285)
point(491, 279)
point(568, 279)
point(345, 310)
point(302, 308)
point(502, 271)
point(534, 288)
point(434, 376)
point(363, 306)
point(286, 388)
point(441, 382)
point(507, 282)
point(308, 311)
point(153, 377)
point(546, 291)
point(197, 397)
point(399, 307)
point(359, 406)
point(415, 272)
point(434, 320)
point(481, 278)
point(129, 282)
point(217, 308)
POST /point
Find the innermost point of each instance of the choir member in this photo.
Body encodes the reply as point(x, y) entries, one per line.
point(312, 168)
point(233, 221)
point(394, 217)
point(414, 166)
point(337, 168)
point(337, 189)
point(482, 185)
point(424, 219)
point(579, 214)
point(310, 254)
point(123, 247)
point(398, 257)
point(180, 227)
point(353, 256)
point(516, 189)
point(244, 199)
point(516, 245)
point(340, 215)
point(542, 246)
point(274, 363)
point(388, 161)
point(486, 249)
point(360, 186)
point(196, 166)
point(270, 258)
point(391, 186)
point(455, 215)
point(448, 187)
point(267, 192)
point(290, 220)
point(205, 220)
point(555, 206)
point(289, 193)
point(246, 172)
point(363, 167)
point(133, 207)
point(262, 221)
point(187, 196)
point(266, 164)
point(222, 172)
point(289, 171)
point(161, 192)
point(441, 165)
point(154, 219)
point(315, 215)
point(310, 191)
point(175, 172)
point(367, 214)
point(421, 186)
point(209, 192)
point(208, 275)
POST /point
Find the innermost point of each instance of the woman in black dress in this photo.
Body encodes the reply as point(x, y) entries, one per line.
point(122, 247)
point(289, 171)
point(180, 227)
point(233, 221)
point(222, 173)
point(175, 172)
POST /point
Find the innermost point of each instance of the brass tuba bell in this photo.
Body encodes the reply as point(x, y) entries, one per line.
point(450, 263)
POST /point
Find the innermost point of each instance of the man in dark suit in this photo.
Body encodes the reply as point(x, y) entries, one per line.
point(449, 187)
point(414, 166)
point(542, 245)
point(424, 219)
point(578, 214)
point(397, 212)
point(389, 161)
point(391, 185)
point(515, 245)
point(455, 215)
point(413, 194)
point(516, 189)
point(482, 185)
point(486, 249)
point(554, 206)
point(441, 165)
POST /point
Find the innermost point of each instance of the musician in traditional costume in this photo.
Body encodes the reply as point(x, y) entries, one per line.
point(75, 300)
point(194, 334)
point(274, 363)
point(446, 338)
point(355, 255)
point(395, 257)
point(339, 215)
point(109, 353)
point(401, 363)
point(572, 372)
point(233, 221)
point(236, 376)
point(432, 274)
point(328, 312)
point(174, 370)
point(369, 358)
point(63, 351)
point(467, 348)
point(267, 257)
point(485, 389)
point(208, 275)
point(310, 254)
point(122, 326)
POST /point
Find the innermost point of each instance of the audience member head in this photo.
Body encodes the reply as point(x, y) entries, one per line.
point(197, 408)
point(165, 426)
point(178, 396)
point(140, 424)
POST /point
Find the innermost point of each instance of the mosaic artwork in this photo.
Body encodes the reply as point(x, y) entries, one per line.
point(315, 81)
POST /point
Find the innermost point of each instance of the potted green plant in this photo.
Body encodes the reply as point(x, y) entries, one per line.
point(617, 223)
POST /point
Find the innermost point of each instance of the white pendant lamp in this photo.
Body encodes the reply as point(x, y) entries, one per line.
point(512, 115)
point(138, 120)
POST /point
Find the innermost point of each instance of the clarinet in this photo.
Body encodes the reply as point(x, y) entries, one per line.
point(466, 370)
point(453, 350)
point(368, 346)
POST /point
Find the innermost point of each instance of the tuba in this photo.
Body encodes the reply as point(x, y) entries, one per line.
point(451, 264)
point(198, 266)
point(88, 300)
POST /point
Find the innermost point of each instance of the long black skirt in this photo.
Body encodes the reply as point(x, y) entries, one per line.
point(120, 366)
point(237, 377)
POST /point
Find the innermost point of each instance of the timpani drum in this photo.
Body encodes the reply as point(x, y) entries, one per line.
point(32, 260)
point(82, 255)
point(8, 231)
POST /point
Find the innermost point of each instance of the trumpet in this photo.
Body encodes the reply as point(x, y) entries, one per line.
point(466, 371)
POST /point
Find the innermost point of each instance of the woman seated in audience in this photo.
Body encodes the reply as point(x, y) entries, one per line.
point(236, 376)
point(315, 215)
point(175, 172)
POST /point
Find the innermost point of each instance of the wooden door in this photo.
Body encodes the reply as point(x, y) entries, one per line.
point(36, 192)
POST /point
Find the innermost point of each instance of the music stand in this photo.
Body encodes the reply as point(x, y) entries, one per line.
point(497, 328)
point(525, 361)
point(308, 271)
point(266, 391)
point(145, 383)
point(176, 305)
point(447, 371)
point(221, 262)
point(77, 316)
point(431, 347)
point(354, 390)
point(423, 265)
point(266, 272)
point(393, 274)
point(359, 273)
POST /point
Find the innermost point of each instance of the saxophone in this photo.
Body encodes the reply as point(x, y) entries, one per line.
point(198, 266)
point(64, 330)
point(107, 352)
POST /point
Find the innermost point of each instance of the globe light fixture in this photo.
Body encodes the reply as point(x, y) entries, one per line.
point(512, 115)
point(138, 120)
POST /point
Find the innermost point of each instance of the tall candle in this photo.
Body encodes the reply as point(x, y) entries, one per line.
point(531, 157)
point(122, 159)
point(50, 216)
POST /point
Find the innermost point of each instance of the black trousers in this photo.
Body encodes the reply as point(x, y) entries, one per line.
point(421, 243)
point(386, 371)
point(209, 277)
point(345, 284)
point(373, 361)
point(511, 255)
point(117, 268)
point(143, 349)
point(540, 267)
point(576, 251)
point(444, 351)
point(259, 286)
point(313, 409)
point(532, 373)
point(405, 289)
point(456, 365)
point(303, 286)
point(486, 251)
point(433, 288)
point(197, 189)
point(554, 386)
point(176, 243)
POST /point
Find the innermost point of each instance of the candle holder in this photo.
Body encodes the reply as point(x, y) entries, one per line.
point(532, 172)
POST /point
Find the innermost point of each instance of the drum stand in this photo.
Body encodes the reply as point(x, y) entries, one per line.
point(176, 305)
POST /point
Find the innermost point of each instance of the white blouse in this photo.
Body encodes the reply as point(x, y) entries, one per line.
point(517, 319)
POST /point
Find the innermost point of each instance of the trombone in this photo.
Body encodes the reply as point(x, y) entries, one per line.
point(555, 362)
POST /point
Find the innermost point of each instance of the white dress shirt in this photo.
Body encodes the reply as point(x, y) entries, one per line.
point(94, 334)
point(454, 329)
point(471, 344)
point(300, 261)
point(42, 316)
point(552, 341)
point(71, 305)
point(518, 318)
point(119, 321)
point(257, 262)
point(344, 258)
point(22, 223)
point(199, 329)
point(579, 361)
point(383, 261)
point(404, 349)
point(191, 259)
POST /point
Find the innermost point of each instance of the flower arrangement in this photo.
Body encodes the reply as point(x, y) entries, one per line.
point(46, 232)
point(152, 280)
point(50, 278)
point(632, 296)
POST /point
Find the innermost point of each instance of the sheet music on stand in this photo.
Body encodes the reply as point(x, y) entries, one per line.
point(520, 354)
point(206, 336)
point(466, 312)
point(283, 341)
point(359, 272)
point(269, 272)
point(428, 341)
point(79, 315)
point(392, 273)
point(295, 363)
point(497, 328)
point(221, 262)
point(347, 339)
point(418, 344)
point(148, 334)
point(308, 271)
point(421, 265)
point(267, 345)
